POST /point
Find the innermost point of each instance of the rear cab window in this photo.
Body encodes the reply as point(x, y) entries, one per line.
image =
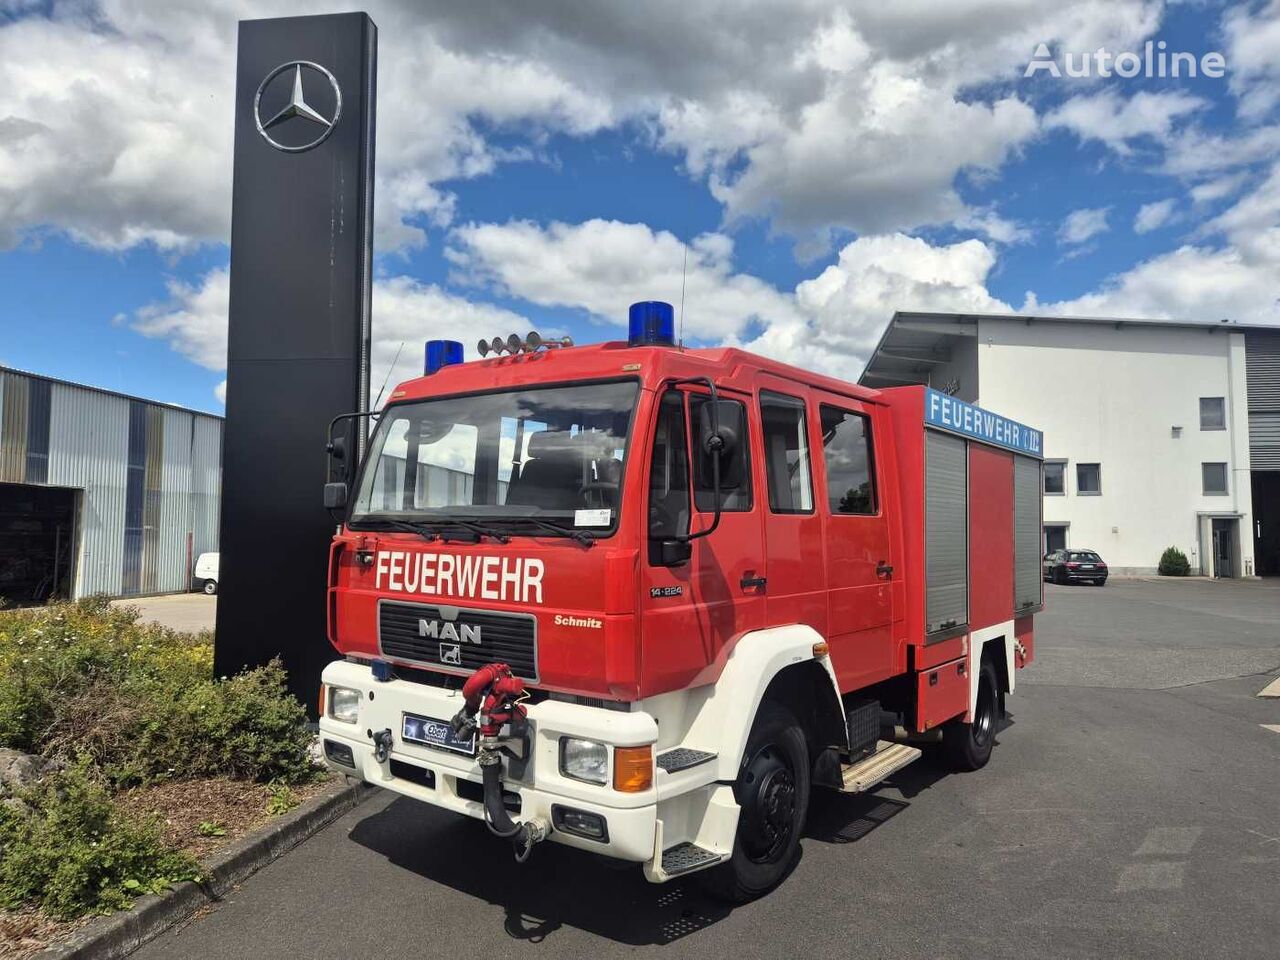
point(849, 460)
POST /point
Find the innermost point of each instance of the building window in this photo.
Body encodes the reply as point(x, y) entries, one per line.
point(1055, 478)
point(1214, 476)
point(786, 453)
point(1089, 479)
point(1213, 413)
point(846, 447)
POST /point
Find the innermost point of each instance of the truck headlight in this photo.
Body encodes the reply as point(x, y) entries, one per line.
point(584, 760)
point(344, 704)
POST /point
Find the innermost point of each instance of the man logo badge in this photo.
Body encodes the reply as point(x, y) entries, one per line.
point(451, 653)
point(444, 630)
point(301, 135)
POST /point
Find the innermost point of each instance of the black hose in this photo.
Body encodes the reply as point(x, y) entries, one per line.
point(495, 811)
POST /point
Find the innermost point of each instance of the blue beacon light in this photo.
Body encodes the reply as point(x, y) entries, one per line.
point(651, 323)
point(441, 353)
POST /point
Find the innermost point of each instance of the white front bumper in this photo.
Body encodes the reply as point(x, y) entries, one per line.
point(631, 818)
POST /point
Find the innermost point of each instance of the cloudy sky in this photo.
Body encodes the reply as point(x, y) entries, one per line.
point(817, 165)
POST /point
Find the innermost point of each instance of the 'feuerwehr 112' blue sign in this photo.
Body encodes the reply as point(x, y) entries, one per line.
point(948, 413)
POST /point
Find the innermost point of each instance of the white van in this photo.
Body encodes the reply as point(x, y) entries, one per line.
point(206, 575)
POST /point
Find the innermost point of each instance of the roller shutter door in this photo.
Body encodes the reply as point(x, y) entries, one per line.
point(1026, 533)
point(946, 532)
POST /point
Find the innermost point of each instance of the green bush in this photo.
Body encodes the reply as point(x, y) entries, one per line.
point(1174, 563)
point(87, 681)
point(70, 850)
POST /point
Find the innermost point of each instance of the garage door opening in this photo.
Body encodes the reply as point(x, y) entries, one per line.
point(37, 543)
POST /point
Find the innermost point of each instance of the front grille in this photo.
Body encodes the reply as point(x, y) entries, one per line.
point(509, 638)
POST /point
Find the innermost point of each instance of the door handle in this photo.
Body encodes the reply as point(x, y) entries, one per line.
point(884, 570)
point(748, 583)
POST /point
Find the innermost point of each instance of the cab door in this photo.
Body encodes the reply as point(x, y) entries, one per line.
point(859, 566)
point(689, 613)
point(796, 586)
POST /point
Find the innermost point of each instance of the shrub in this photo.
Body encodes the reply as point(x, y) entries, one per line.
point(87, 681)
point(70, 850)
point(1174, 563)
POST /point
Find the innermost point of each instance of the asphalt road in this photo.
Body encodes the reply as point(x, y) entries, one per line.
point(1131, 809)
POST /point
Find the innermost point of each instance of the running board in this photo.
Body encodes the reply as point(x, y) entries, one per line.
point(686, 858)
point(889, 758)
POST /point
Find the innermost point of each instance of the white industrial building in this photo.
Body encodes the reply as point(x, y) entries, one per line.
point(101, 492)
point(1156, 433)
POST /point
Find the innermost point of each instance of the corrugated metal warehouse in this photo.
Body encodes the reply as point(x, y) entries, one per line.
point(101, 492)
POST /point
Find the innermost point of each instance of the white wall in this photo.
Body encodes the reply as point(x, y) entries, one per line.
point(1111, 396)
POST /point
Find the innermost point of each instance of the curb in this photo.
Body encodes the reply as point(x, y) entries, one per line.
point(122, 933)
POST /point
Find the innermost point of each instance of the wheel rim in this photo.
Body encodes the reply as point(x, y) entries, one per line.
point(984, 716)
point(769, 804)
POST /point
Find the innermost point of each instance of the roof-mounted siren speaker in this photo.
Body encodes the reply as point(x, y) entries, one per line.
point(651, 323)
point(441, 353)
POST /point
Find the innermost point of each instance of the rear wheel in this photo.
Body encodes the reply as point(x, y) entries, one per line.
point(773, 791)
point(1060, 576)
point(968, 745)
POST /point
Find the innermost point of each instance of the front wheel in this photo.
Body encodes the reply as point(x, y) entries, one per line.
point(968, 745)
point(210, 587)
point(772, 790)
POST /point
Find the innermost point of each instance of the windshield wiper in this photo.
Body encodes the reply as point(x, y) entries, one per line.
point(584, 537)
point(404, 525)
point(430, 529)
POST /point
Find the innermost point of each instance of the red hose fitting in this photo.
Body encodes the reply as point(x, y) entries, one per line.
point(495, 692)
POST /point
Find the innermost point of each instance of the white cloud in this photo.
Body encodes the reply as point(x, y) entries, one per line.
point(1083, 225)
point(1253, 57)
point(601, 266)
point(1218, 188)
point(1153, 216)
point(844, 309)
point(115, 120)
point(829, 322)
point(220, 391)
point(193, 321)
point(1117, 122)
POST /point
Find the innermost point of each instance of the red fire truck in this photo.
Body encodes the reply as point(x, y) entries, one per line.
point(640, 599)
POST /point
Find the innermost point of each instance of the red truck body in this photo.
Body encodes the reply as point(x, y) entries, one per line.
point(900, 583)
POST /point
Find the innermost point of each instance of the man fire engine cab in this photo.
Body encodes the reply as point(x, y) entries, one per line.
point(640, 599)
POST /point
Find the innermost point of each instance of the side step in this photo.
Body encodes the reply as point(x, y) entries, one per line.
point(682, 758)
point(685, 858)
point(889, 758)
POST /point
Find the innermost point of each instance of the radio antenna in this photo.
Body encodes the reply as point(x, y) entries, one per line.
point(387, 377)
point(684, 272)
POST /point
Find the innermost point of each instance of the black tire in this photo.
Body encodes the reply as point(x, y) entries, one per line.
point(773, 790)
point(1060, 576)
point(967, 746)
point(210, 587)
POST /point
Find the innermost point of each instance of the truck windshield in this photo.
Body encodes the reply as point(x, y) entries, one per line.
point(549, 453)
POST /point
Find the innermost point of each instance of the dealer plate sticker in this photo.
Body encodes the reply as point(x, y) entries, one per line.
point(592, 518)
point(435, 733)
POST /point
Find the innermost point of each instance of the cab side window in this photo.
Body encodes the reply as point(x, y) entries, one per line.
point(669, 472)
point(846, 450)
point(786, 453)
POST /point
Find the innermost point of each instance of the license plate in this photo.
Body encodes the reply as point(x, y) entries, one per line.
point(1086, 566)
point(435, 733)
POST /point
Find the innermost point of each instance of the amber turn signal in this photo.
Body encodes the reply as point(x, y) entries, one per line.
point(320, 705)
point(820, 649)
point(632, 769)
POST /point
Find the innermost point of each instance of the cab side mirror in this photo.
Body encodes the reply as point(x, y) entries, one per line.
point(724, 438)
point(335, 496)
point(674, 553)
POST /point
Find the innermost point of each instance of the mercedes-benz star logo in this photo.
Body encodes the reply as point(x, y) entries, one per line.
point(298, 107)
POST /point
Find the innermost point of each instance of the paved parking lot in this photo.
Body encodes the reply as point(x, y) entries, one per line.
point(181, 611)
point(1132, 809)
